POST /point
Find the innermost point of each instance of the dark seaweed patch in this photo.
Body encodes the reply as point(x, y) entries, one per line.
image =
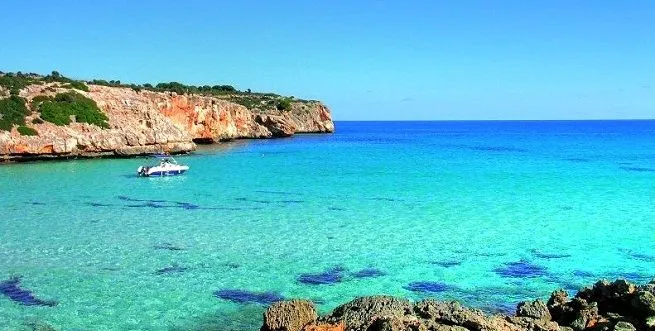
point(638, 255)
point(638, 169)
point(173, 269)
point(633, 276)
point(291, 201)
point(642, 257)
point(148, 205)
point(577, 160)
point(331, 276)
point(496, 149)
point(187, 205)
point(542, 255)
point(385, 199)
point(97, 204)
point(159, 204)
point(35, 203)
point(368, 273)
point(244, 297)
point(521, 269)
point(583, 274)
point(11, 289)
point(276, 192)
point(126, 198)
point(168, 246)
point(428, 287)
point(488, 254)
point(254, 200)
point(447, 263)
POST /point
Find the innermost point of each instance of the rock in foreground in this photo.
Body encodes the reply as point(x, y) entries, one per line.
point(616, 306)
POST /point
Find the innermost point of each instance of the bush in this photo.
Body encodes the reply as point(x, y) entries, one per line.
point(12, 111)
point(58, 110)
point(37, 120)
point(79, 86)
point(283, 105)
point(69, 83)
point(12, 82)
point(26, 131)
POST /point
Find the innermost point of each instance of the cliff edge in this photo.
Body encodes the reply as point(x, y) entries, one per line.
point(140, 121)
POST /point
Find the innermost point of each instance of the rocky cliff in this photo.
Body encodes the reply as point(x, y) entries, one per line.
point(143, 122)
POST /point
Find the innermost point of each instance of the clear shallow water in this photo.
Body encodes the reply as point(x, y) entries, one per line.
point(490, 213)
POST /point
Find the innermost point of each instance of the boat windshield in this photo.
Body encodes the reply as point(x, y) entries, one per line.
point(167, 161)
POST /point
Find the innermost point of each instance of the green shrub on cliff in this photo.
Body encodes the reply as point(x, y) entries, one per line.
point(283, 104)
point(27, 131)
point(12, 111)
point(15, 82)
point(58, 110)
point(68, 83)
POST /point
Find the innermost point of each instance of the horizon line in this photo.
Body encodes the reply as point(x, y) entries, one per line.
point(506, 120)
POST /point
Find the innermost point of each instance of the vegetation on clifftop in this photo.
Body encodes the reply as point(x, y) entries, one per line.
point(247, 98)
point(12, 112)
point(27, 131)
point(59, 109)
point(63, 106)
point(19, 80)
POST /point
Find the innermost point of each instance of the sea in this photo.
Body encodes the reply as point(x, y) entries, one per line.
point(488, 213)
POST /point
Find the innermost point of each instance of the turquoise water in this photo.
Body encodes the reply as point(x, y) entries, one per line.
point(487, 212)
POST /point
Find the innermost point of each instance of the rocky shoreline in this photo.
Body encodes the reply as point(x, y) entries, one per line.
point(142, 122)
point(617, 306)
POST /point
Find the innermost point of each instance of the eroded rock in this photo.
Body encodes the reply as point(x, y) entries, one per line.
point(535, 309)
point(291, 315)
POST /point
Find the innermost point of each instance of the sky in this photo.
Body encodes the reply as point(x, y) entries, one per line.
point(366, 59)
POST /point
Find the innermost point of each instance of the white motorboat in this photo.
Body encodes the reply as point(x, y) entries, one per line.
point(167, 167)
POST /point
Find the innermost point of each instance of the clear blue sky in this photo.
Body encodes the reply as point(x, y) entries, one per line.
point(367, 59)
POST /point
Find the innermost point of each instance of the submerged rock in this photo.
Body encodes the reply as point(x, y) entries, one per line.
point(331, 276)
point(245, 297)
point(521, 269)
point(11, 288)
point(428, 287)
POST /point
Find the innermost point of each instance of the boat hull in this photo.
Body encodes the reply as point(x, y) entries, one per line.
point(161, 171)
point(164, 173)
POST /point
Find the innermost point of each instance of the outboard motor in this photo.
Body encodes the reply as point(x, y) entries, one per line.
point(142, 171)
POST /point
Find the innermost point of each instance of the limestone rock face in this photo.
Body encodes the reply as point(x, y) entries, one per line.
point(361, 313)
point(289, 316)
point(150, 122)
point(535, 309)
point(279, 126)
